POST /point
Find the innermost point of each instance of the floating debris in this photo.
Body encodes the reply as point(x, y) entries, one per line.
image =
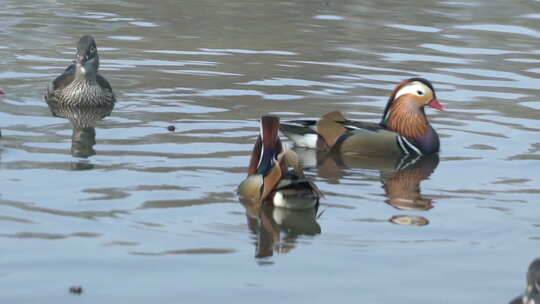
point(76, 289)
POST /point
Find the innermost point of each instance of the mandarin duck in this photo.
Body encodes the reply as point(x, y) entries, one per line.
point(532, 291)
point(80, 84)
point(269, 178)
point(403, 130)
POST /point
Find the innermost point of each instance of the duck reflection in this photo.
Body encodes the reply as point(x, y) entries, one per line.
point(402, 187)
point(400, 177)
point(83, 120)
point(532, 291)
point(278, 229)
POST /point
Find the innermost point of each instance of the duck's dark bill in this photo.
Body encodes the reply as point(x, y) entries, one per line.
point(81, 59)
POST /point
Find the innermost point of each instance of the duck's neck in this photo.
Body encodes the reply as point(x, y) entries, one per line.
point(406, 120)
point(87, 73)
point(411, 123)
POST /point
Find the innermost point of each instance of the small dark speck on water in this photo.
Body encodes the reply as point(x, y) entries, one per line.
point(171, 128)
point(76, 289)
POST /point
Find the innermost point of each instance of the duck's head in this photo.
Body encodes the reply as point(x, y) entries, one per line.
point(87, 56)
point(532, 293)
point(413, 94)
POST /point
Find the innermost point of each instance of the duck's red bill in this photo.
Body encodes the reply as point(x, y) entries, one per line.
point(2, 91)
point(436, 105)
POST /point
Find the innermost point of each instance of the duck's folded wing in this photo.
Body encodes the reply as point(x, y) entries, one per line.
point(64, 79)
point(59, 83)
point(103, 83)
point(356, 125)
point(302, 132)
point(370, 141)
point(292, 182)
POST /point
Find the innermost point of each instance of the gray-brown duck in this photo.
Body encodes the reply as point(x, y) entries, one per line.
point(80, 84)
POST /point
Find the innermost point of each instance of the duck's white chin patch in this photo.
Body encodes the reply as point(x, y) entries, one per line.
point(305, 141)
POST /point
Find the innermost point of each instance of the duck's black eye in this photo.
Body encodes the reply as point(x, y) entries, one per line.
point(92, 49)
point(420, 93)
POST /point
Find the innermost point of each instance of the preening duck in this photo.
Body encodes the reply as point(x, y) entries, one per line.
point(269, 178)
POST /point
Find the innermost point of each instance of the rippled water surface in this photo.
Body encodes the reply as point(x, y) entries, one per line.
point(148, 215)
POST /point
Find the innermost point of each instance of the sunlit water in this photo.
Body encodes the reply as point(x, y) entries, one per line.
point(152, 215)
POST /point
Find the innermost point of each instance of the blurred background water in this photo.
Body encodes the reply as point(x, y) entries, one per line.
point(140, 214)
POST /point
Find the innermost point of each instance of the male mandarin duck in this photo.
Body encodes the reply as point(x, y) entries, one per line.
point(269, 180)
point(80, 84)
point(403, 130)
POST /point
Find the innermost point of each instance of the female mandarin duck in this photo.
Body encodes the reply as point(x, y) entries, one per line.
point(532, 292)
point(269, 180)
point(80, 84)
point(403, 130)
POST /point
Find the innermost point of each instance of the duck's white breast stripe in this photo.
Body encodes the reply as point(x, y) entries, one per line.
point(402, 146)
point(410, 145)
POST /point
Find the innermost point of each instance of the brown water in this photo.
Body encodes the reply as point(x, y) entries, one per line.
point(151, 215)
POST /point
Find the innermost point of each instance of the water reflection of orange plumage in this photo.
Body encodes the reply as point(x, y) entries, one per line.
point(403, 187)
point(400, 177)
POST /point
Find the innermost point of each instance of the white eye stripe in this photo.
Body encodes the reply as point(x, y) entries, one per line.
point(416, 88)
point(410, 145)
point(402, 146)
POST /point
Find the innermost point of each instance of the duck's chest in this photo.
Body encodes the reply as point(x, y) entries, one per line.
point(422, 145)
point(85, 93)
